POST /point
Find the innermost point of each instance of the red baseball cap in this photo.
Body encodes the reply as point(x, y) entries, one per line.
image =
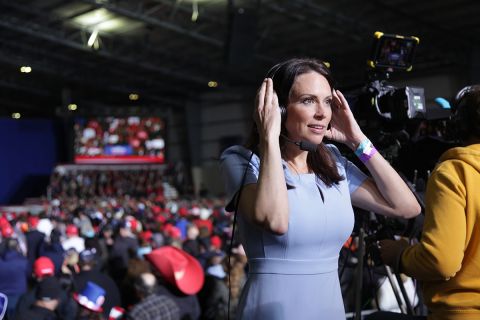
point(178, 268)
point(71, 230)
point(43, 267)
point(216, 242)
point(146, 235)
point(33, 221)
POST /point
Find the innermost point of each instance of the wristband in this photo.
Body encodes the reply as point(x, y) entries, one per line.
point(365, 150)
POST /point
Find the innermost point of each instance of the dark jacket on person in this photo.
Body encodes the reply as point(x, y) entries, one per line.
point(188, 304)
point(66, 310)
point(155, 307)
point(55, 252)
point(13, 273)
point(34, 239)
point(36, 313)
point(213, 298)
point(122, 248)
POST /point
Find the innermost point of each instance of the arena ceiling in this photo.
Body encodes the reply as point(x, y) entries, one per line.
point(97, 53)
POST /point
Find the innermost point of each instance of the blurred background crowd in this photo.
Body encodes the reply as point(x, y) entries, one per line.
point(111, 241)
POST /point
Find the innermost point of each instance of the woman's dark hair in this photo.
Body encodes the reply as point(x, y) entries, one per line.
point(283, 76)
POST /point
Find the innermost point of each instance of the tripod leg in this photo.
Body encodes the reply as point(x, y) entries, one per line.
point(410, 310)
point(405, 305)
point(395, 289)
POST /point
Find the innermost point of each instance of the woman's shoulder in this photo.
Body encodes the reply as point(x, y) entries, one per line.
point(239, 152)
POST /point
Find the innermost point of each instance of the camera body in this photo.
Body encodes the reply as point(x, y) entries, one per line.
point(393, 53)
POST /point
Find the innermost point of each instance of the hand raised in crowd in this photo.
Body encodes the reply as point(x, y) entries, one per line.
point(343, 126)
point(267, 114)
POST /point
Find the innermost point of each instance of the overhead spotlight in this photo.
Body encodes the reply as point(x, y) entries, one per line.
point(72, 107)
point(212, 84)
point(93, 40)
point(133, 96)
point(25, 69)
point(16, 115)
point(194, 11)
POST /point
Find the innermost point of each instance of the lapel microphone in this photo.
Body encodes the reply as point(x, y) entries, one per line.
point(303, 144)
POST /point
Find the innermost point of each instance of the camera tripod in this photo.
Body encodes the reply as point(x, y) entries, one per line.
point(372, 228)
point(364, 261)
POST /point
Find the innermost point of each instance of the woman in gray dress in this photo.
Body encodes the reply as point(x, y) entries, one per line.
point(294, 194)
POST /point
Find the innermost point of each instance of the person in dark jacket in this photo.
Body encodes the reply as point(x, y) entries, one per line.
point(34, 239)
point(124, 247)
point(47, 300)
point(213, 296)
point(53, 249)
point(44, 268)
point(13, 274)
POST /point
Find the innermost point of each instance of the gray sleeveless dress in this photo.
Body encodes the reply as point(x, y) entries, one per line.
point(294, 276)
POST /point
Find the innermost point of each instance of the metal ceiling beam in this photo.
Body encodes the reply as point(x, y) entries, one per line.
point(172, 27)
point(203, 16)
point(14, 86)
point(13, 60)
point(301, 17)
point(52, 36)
point(158, 23)
point(68, 73)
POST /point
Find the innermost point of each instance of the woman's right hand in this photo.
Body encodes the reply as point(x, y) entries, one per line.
point(267, 114)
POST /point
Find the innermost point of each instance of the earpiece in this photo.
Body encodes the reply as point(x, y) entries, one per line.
point(271, 74)
point(283, 113)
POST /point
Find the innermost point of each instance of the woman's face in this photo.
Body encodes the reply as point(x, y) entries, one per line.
point(309, 108)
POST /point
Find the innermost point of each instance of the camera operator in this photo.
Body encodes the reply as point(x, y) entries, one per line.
point(447, 258)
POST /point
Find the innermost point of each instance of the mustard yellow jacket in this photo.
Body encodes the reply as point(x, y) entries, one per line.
point(447, 259)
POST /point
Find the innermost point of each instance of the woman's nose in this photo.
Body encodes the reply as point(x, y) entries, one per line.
point(319, 111)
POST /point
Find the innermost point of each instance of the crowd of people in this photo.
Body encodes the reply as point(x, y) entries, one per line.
point(119, 244)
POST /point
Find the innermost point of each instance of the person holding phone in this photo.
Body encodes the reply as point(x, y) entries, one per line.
point(294, 193)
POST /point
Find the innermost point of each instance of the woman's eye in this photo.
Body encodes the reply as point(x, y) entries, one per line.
point(308, 100)
point(328, 102)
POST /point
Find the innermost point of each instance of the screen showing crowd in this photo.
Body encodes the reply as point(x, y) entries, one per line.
point(119, 140)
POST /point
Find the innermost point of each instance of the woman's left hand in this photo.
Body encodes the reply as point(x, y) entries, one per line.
point(343, 126)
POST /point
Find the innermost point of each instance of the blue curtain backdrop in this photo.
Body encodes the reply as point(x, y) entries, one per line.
point(28, 152)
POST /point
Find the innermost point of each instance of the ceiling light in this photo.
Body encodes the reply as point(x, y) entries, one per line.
point(16, 115)
point(194, 11)
point(72, 107)
point(94, 17)
point(133, 96)
point(212, 84)
point(25, 69)
point(93, 37)
point(105, 21)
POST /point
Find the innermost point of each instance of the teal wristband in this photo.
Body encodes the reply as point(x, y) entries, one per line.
point(365, 150)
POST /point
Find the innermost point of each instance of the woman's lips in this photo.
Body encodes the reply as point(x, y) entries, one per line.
point(318, 129)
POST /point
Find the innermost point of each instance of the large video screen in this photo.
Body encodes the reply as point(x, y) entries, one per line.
point(114, 140)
